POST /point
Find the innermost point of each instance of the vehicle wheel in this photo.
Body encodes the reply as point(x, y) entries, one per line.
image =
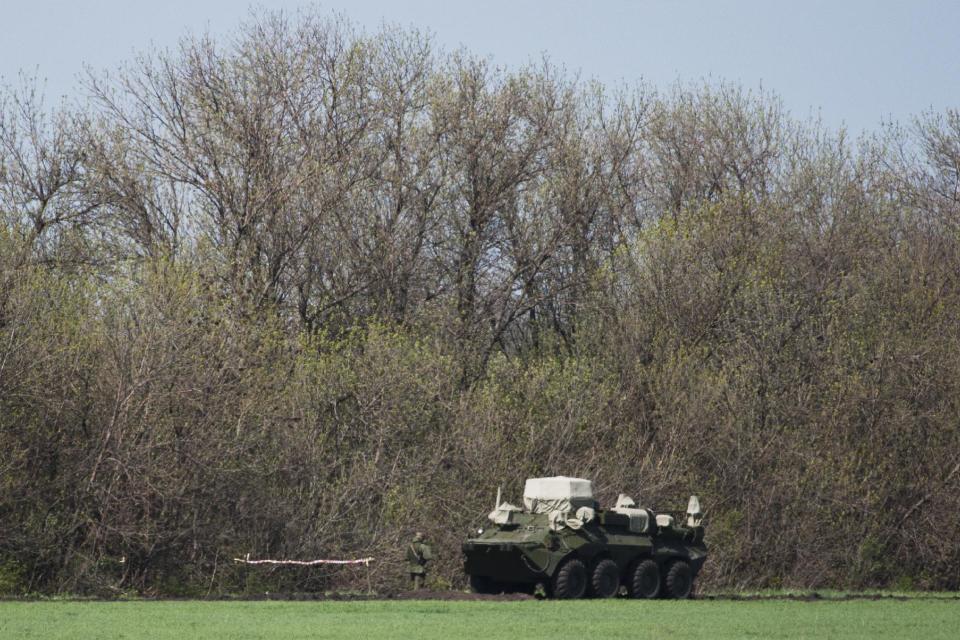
point(570, 581)
point(481, 584)
point(679, 580)
point(645, 581)
point(605, 581)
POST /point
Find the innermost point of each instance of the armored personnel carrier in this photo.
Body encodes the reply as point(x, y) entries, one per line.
point(563, 541)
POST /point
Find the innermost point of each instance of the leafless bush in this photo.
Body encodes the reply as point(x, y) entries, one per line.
point(305, 291)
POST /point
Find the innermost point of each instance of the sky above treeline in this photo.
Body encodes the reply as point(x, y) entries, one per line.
point(853, 63)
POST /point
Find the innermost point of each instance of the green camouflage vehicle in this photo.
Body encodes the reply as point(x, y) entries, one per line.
point(562, 541)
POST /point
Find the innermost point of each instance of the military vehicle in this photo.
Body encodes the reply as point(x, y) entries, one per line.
point(563, 542)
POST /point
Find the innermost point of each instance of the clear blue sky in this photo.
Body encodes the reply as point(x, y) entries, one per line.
point(854, 62)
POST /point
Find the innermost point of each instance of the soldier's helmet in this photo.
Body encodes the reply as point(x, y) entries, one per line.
point(418, 537)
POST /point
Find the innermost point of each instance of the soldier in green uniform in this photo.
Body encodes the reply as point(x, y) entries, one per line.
point(418, 554)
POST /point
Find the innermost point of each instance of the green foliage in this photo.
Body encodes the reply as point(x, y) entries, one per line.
point(11, 578)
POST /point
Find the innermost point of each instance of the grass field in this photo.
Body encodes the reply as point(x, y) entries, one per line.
point(718, 619)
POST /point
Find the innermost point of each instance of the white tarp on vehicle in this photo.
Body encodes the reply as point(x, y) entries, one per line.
point(502, 514)
point(560, 493)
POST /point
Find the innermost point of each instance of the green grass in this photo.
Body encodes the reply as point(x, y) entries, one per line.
point(716, 620)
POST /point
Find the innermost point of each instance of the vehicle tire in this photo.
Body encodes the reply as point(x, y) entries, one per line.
point(605, 580)
point(570, 582)
point(482, 584)
point(645, 580)
point(679, 581)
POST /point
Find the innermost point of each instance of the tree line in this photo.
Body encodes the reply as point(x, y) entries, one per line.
point(303, 291)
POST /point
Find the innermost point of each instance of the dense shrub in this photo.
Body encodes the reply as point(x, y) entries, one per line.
point(305, 293)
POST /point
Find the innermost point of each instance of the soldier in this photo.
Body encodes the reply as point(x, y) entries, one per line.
point(418, 554)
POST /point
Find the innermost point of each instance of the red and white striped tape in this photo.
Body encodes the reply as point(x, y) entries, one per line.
point(304, 563)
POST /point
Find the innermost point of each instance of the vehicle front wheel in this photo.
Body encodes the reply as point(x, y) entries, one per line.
point(679, 581)
point(570, 581)
point(605, 581)
point(645, 581)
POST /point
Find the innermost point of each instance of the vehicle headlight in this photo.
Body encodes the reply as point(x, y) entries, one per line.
point(480, 531)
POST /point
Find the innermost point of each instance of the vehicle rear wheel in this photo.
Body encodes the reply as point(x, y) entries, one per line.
point(570, 581)
point(679, 580)
point(605, 580)
point(482, 584)
point(645, 581)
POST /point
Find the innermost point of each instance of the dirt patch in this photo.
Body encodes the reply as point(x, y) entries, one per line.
point(458, 595)
point(423, 594)
point(817, 597)
point(465, 596)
